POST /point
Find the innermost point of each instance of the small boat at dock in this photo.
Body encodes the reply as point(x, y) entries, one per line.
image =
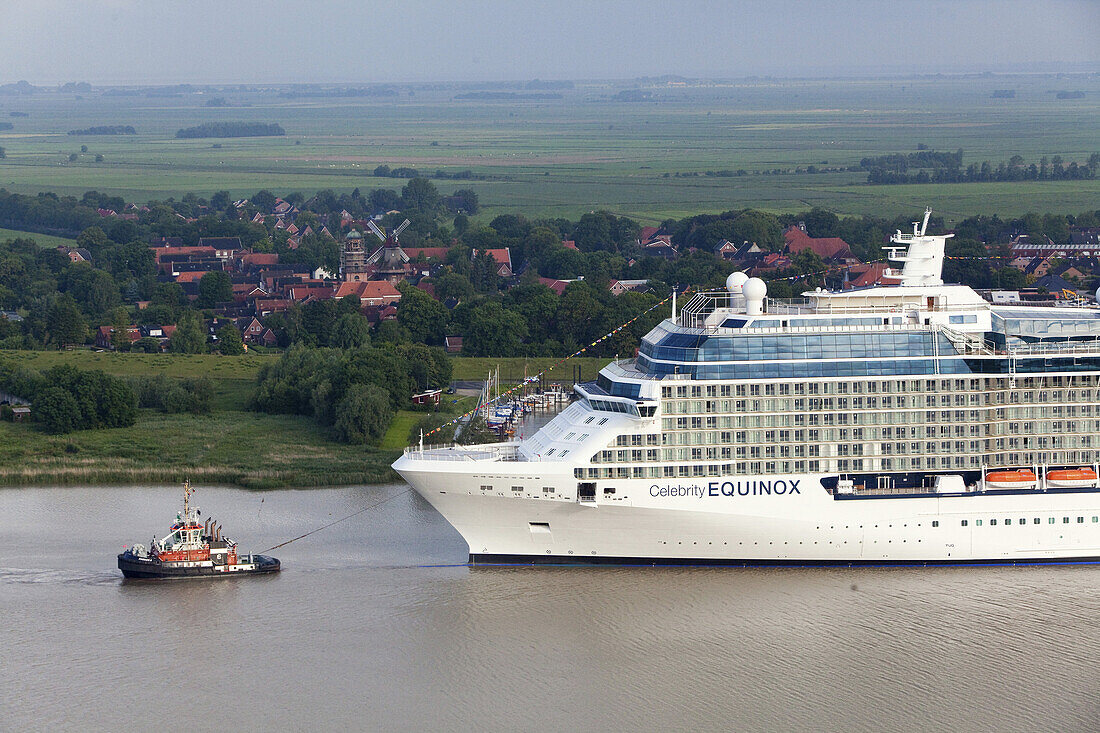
point(192, 549)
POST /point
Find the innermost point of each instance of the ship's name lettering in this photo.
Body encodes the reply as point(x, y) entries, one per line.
point(778, 487)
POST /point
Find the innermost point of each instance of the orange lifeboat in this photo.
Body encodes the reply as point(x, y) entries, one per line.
point(1071, 478)
point(1023, 479)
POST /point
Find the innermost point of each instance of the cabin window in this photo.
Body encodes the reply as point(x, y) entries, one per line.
point(992, 522)
point(1036, 521)
point(1050, 520)
point(978, 523)
point(486, 487)
point(1065, 520)
point(964, 523)
point(935, 522)
point(517, 488)
point(1080, 520)
point(548, 489)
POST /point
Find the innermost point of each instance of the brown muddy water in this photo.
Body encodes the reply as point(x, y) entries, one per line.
point(377, 624)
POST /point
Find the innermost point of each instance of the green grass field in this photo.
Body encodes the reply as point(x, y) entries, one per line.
point(43, 240)
point(231, 445)
point(227, 447)
point(584, 151)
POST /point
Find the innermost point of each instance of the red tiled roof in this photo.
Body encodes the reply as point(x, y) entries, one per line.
point(501, 256)
point(190, 277)
point(438, 253)
point(159, 252)
point(568, 244)
point(368, 290)
point(825, 247)
point(558, 286)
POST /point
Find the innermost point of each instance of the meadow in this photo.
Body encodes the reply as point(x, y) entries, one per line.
point(588, 150)
point(231, 445)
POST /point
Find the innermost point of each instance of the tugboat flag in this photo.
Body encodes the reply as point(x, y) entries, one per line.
point(553, 366)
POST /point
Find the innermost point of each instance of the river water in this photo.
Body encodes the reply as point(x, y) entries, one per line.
point(376, 624)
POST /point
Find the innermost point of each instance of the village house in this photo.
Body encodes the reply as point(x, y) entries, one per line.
point(618, 287)
point(502, 257)
point(829, 249)
point(104, 334)
point(75, 254)
point(452, 344)
point(370, 292)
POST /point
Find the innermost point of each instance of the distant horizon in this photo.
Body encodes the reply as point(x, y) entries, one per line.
point(1083, 69)
point(138, 43)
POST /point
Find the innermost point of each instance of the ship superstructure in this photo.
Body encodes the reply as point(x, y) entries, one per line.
point(907, 423)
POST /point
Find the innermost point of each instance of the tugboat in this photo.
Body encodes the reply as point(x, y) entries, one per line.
point(192, 550)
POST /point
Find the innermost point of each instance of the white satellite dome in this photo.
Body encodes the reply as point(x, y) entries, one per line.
point(754, 289)
point(735, 282)
point(1097, 293)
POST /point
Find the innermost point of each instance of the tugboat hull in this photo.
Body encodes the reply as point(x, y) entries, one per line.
point(149, 569)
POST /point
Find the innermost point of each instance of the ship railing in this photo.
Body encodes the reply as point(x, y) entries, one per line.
point(1048, 349)
point(457, 452)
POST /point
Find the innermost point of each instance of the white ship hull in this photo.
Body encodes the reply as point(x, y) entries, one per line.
point(734, 521)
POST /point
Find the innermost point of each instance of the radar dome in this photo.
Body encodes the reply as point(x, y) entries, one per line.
point(1097, 292)
point(755, 289)
point(735, 282)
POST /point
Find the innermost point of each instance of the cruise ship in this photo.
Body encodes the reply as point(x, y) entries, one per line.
point(908, 423)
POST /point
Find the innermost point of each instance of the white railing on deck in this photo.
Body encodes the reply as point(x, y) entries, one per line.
point(455, 452)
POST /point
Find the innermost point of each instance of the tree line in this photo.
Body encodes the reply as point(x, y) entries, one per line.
point(354, 391)
point(947, 168)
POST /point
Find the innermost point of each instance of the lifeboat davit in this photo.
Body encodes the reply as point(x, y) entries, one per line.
point(1023, 479)
point(1071, 478)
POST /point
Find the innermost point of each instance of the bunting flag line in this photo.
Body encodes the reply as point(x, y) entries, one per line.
point(480, 405)
point(552, 367)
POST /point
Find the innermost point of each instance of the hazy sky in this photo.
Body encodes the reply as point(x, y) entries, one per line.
point(212, 41)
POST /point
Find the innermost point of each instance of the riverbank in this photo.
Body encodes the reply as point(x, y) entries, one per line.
point(231, 447)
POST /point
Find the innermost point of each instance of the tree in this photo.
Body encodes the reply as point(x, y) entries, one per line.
point(453, 285)
point(494, 331)
point(463, 201)
point(220, 201)
point(56, 409)
point(351, 331)
point(229, 341)
point(120, 330)
point(189, 337)
point(3, 154)
point(424, 317)
point(364, 415)
point(383, 199)
point(264, 201)
point(420, 195)
point(65, 324)
point(214, 287)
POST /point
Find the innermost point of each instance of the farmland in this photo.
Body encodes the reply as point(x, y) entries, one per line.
point(587, 150)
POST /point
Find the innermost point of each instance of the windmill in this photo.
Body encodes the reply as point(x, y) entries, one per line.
point(390, 259)
point(392, 237)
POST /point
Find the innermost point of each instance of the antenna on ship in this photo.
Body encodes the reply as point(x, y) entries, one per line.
point(924, 224)
point(186, 500)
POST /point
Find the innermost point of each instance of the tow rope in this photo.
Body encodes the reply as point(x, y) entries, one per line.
point(341, 519)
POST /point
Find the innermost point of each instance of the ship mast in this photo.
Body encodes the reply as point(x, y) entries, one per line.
point(186, 502)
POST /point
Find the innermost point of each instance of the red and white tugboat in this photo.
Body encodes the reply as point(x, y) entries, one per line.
point(192, 550)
